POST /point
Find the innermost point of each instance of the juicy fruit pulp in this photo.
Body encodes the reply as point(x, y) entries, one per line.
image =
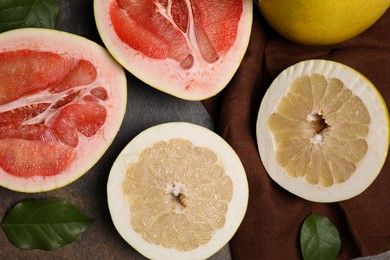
point(23, 124)
point(54, 101)
point(322, 138)
point(329, 131)
point(165, 29)
point(177, 191)
point(170, 201)
point(179, 47)
point(314, 22)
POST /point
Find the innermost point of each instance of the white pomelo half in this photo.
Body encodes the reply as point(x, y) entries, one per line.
point(204, 21)
point(123, 215)
point(110, 99)
point(370, 138)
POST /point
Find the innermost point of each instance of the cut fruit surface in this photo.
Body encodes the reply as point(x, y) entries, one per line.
point(177, 191)
point(189, 49)
point(62, 100)
point(323, 131)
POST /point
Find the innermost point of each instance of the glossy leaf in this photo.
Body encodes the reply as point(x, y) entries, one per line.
point(44, 224)
point(28, 13)
point(320, 239)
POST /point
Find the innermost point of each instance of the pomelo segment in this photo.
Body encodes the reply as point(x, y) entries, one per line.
point(29, 158)
point(62, 101)
point(323, 131)
point(189, 49)
point(177, 191)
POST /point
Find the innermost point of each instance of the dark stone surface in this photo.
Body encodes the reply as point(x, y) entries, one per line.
point(145, 107)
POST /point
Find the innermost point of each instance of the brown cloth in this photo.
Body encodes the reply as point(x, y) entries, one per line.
point(271, 227)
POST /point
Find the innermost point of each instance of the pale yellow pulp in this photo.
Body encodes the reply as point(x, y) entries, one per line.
point(319, 130)
point(178, 194)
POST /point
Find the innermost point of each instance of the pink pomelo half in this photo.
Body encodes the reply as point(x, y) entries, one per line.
point(190, 48)
point(62, 101)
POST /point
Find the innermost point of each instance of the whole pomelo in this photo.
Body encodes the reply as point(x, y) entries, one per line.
point(314, 22)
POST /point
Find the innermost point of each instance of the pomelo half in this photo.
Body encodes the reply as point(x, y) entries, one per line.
point(322, 22)
point(189, 49)
point(62, 101)
point(177, 191)
point(323, 131)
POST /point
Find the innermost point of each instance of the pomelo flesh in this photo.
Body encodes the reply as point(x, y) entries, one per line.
point(166, 36)
point(62, 101)
point(189, 49)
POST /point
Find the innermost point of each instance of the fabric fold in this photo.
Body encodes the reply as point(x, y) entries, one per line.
point(271, 227)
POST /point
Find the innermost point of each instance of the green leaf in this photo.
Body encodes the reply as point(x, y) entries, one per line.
point(320, 239)
point(28, 13)
point(44, 224)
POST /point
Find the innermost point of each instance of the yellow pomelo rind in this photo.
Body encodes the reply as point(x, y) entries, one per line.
point(200, 137)
point(378, 136)
point(314, 22)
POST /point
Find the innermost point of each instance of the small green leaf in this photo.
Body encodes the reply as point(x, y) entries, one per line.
point(44, 224)
point(320, 239)
point(28, 13)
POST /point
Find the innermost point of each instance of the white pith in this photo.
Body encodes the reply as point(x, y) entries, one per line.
point(377, 138)
point(201, 137)
point(317, 139)
point(204, 80)
point(110, 75)
point(175, 190)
